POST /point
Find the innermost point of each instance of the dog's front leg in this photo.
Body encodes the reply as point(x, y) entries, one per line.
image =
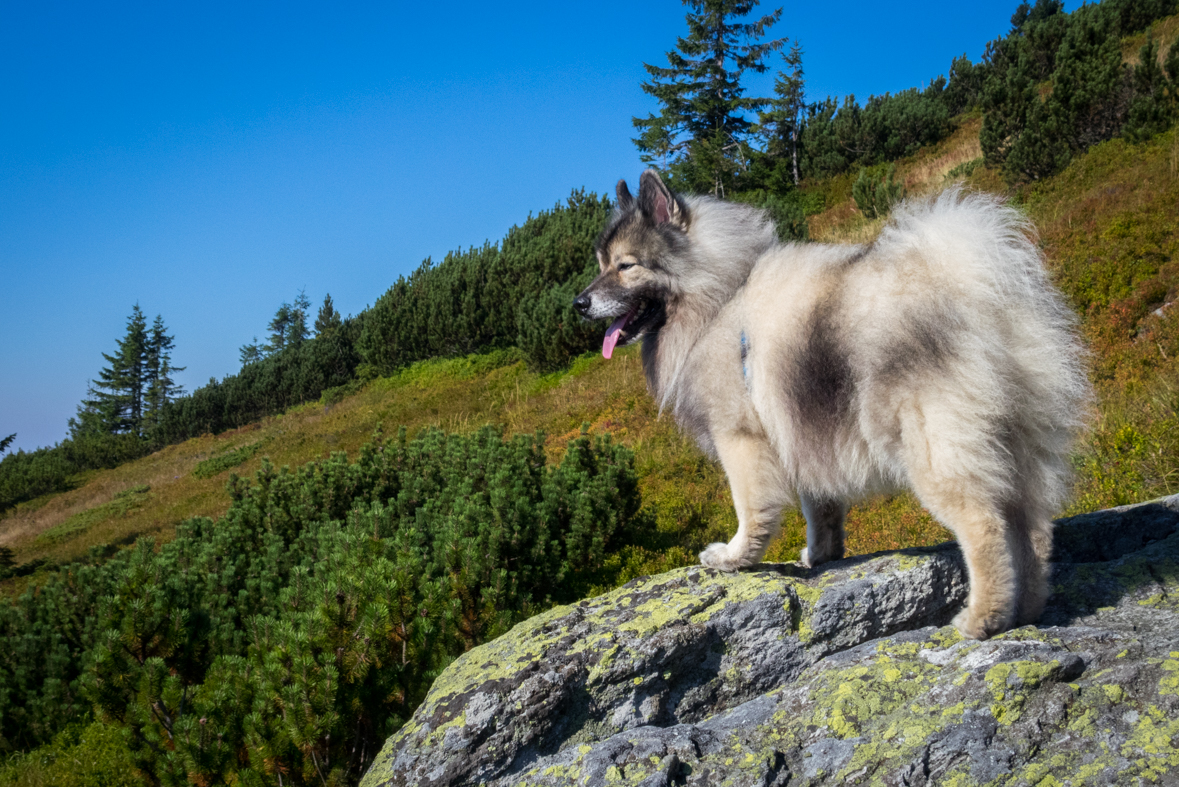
point(758, 494)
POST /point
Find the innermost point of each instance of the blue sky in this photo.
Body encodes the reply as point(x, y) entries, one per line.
point(209, 160)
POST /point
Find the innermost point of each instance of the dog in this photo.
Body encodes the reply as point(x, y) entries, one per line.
point(938, 358)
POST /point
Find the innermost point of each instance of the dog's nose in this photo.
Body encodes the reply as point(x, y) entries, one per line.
point(582, 304)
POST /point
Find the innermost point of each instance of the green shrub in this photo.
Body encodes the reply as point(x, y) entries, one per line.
point(123, 503)
point(875, 193)
point(1056, 85)
point(490, 297)
point(219, 464)
point(964, 169)
point(836, 138)
point(79, 756)
point(788, 210)
point(341, 589)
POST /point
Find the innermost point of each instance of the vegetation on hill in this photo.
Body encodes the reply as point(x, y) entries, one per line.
point(293, 634)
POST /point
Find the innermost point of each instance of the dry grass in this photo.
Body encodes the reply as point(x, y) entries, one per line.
point(1164, 31)
point(928, 171)
point(922, 173)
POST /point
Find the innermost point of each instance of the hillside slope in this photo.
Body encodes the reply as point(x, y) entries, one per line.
point(1109, 225)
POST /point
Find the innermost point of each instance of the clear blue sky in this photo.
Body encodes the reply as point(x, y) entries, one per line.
point(209, 160)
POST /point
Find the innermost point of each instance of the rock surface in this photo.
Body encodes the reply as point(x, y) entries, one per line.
point(845, 674)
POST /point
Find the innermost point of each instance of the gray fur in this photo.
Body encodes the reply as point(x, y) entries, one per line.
point(938, 359)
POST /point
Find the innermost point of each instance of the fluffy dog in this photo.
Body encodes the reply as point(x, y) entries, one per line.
point(938, 358)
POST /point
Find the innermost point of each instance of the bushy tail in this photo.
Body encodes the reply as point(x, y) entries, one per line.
point(987, 250)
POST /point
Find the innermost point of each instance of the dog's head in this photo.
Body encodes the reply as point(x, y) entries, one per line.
point(635, 284)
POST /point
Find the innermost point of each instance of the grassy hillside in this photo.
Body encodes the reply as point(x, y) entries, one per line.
point(1109, 225)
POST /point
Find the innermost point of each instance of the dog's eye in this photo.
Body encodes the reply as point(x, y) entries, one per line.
point(625, 266)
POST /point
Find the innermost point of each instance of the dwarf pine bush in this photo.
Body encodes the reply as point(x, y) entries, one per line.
point(299, 630)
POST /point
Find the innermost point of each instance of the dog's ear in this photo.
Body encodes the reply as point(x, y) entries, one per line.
point(657, 202)
point(625, 200)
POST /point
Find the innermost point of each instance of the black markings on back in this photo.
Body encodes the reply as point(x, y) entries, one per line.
point(858, 255)
point(820, 383)
point(924, 346)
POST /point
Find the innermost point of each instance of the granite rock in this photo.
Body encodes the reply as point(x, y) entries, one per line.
point(845, 674)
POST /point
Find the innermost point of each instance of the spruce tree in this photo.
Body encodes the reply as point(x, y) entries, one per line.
point(701, 132)
point(279, 330)
point(287, 329)
point(782, 123)
point(328, 320)
point(297, 327)
point(159, 387)
point(7, 441)
point(251, 353)
point(117, 395)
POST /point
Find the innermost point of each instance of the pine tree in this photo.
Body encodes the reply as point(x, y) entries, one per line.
point(328, 320)
point(159, 388)
point(701, 126)
point(279, 328)
point(7, 441)
point(1153, 107)
point(782, 123)
point(297, 326)
point(251, 353)
point(287, 329)
point(116, 403)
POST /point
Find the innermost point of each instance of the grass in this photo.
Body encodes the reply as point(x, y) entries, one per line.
point(1164, 32)
point(123, 504)
point(685, 495)
point(1109, 225)
point(219, 464)
point(931, 169)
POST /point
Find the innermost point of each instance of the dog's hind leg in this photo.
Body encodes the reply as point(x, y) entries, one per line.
point(990, 547)
point(758, 494)
point(1036, 586)
point(1031, 536)
point(824, 529)
point(963, 481)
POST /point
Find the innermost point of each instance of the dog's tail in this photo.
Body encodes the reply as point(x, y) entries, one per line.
point(987, 251)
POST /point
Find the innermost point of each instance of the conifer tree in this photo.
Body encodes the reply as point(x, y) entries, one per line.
point(701, 131)
point(297, 327)
point(328, 320)
point(251, 353)
point(116, 403)
point(279, 329)
point(782, 123)
point(288, 328)
point(7, 441)
point(159, 387)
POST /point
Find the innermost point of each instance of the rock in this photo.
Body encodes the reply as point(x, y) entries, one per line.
point(844, 674)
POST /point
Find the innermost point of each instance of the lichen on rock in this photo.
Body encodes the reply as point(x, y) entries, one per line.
point(844, 674)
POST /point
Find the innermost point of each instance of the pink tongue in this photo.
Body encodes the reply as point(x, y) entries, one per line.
point(612, 334)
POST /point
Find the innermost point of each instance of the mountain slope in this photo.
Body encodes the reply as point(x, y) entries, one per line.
point(1108, 224)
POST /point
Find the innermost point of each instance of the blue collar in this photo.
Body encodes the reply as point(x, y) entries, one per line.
point(744, 356)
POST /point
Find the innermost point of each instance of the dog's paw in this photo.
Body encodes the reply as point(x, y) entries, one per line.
point(717, 556)
point(804, 557)
point(974, 626)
